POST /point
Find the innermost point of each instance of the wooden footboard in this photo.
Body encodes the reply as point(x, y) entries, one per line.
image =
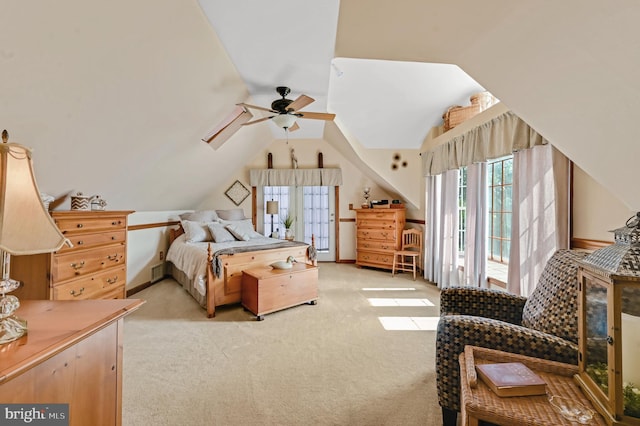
point(227, 288)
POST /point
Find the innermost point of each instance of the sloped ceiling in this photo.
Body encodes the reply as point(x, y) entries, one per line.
point(384, 104)
point(567, 68)
point(114, 97)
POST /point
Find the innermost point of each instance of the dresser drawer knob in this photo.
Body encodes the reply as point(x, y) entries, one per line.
point(112, 280)
point(80, 225)
point(78, 293)
point(80, 242)
point(77, 266)
point(113, 258)
point(116, 222)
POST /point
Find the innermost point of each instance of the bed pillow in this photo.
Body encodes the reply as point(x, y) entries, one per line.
point(242, 229)
point(231, 214)
point(219, 233)
point(196, 232)
point(200, 216)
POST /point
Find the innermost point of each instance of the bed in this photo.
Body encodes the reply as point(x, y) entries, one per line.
point(210, 269)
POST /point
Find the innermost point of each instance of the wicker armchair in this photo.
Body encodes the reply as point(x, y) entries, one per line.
point(545, 325)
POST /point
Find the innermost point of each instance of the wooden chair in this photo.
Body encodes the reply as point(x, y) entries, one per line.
point(409, 257)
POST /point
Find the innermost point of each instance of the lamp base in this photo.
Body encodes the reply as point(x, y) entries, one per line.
point(12, 328)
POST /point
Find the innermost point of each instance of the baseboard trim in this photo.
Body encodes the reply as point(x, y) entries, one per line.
point(585, 244)
point(139, 288)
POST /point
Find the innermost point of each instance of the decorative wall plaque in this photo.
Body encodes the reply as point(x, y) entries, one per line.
point(237, 193)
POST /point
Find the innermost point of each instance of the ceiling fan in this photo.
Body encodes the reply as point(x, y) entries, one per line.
point(284, 112)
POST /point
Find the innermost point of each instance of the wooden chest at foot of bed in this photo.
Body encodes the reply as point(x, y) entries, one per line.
point(266, 290)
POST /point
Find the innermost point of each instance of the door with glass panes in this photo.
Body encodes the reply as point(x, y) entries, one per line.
point(313, 208)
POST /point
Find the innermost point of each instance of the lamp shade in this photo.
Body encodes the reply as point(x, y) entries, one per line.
point(284, 120)
point(272, 207)
point(25, 225)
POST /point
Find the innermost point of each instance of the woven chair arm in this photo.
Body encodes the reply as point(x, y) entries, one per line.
point(457, 331)
point(482, 302)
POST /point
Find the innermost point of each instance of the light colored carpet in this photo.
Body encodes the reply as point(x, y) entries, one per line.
point(333, 363)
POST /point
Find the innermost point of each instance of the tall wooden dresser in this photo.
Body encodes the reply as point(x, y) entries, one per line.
point(378, 234)
point(94, 268)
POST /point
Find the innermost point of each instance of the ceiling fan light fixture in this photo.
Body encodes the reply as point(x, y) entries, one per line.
point(284, 120)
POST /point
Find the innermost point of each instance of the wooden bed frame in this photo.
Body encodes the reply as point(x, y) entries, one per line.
point(227, 288)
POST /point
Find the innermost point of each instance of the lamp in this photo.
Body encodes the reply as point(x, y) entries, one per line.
point(272, 208)
point(25, 228)
point(608, 320)
point(366, 191)
point(285, 121)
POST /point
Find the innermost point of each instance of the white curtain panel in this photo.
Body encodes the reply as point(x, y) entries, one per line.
point(441, 251)
point(540, 220)
point(432, 226)
point(475, 250)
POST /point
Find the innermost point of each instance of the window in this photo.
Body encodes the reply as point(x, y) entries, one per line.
point(499, 194)
point(316, 215)
point(315, 218)
point(500, 177)
point(281, 195)
point(462, 209)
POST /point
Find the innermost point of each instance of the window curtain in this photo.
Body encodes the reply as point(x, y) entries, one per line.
point(540, 219)
point(441, 250)
point(475, 250)
point(295, 177)
point(498, 137)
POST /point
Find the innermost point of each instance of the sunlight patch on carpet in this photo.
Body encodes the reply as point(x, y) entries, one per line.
point(409, 323)
point(389, 289)
point(388, 301)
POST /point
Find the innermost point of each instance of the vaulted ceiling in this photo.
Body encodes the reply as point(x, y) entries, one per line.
point(384, 104)
point(115, 97)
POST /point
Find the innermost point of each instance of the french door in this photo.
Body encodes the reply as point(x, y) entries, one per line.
point(313, 208)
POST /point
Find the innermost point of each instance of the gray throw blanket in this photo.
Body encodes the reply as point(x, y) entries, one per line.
point(217, 261)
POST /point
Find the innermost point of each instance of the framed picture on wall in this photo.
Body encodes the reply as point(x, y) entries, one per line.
point(237, 193)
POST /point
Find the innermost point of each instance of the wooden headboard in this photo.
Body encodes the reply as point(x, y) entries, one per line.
point(175, 233)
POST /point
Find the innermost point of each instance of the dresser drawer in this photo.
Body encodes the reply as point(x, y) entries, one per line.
point(376, 245)
point(75, 264)
point(82, 241)
point(374, 258)
point(377, 223)
point(376, 234)
point(68, 225)
point(94, 286)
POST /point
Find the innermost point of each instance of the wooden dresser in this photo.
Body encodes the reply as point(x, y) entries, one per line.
point(94, 268)
point(378, 234)
point(72, 355)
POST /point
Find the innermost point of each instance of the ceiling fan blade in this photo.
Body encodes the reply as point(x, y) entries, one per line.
point(257, 107)
point(294, 127)
point(300, 102)
point(316, 115)
point(260, 120)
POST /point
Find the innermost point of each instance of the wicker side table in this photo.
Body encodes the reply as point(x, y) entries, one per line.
point(480, 403)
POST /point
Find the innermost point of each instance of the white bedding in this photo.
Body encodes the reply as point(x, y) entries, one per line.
point(191, 258)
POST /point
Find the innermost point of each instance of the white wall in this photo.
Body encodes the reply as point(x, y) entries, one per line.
point(596, 211)
point(145, 245)
point(114, 98)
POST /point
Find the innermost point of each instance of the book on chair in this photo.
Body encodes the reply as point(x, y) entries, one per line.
point(511, 379)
